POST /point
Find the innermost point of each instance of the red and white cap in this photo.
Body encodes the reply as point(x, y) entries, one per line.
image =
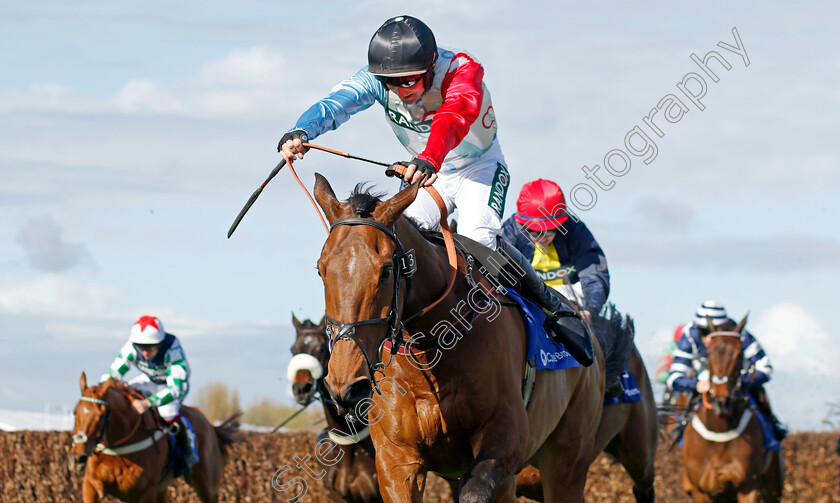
point(541, 206)
point(147, 330)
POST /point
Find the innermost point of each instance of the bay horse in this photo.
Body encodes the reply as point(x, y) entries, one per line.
point(723, 445)
point(353, 477)
point(629, 432)
point(125, 455)
point(453, 404)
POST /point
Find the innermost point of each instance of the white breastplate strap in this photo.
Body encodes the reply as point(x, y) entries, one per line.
point(723, 436)
point(349, 439)
point(130, 448)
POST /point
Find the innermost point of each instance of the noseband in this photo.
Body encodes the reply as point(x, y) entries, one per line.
point(101, 437)
point(735, 391)
point(405, 264)
point(81, 437)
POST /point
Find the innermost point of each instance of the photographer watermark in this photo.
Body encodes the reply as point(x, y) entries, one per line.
point(638, 143)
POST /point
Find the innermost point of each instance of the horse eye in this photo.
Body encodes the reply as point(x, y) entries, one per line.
point(386, 273)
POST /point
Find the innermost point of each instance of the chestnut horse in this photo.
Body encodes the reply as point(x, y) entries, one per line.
point(723, 446)
point(452, 404)
point(124, 455)
point(629, 432)
point(353, 476)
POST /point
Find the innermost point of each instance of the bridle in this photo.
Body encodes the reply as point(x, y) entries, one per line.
point(81, 437)
point(736, 389)
point(323, 350)
point(404, 266)
point(405, 263)
point(101, 438)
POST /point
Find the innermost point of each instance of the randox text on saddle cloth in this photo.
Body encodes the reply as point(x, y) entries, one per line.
point(638, 142)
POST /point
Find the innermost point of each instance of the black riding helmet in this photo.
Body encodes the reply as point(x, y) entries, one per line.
point(402, 46)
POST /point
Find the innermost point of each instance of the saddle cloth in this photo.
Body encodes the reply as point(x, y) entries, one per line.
point(549, 355)
point(631, 393)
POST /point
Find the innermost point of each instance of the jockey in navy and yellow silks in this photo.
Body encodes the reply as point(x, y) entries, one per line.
point(562, 249)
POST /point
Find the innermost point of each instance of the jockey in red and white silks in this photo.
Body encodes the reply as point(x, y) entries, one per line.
point(447, 123)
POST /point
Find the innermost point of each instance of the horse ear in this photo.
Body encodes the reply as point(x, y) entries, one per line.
point(741, 324)
point(326, 198)
point(323, 324)
point(83, 382)
point(710, 323)
point(389, 211)
point(295, 321)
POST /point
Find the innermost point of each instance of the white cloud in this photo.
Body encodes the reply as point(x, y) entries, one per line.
point(245, 82)
point(145, 96)
point(55, 295)
point(254, 67)
point(796, 341)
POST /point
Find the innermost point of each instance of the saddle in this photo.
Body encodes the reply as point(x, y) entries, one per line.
point(490, 261)
point(177, 463)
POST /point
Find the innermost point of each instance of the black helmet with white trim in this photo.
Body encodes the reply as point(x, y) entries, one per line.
point(402, 46)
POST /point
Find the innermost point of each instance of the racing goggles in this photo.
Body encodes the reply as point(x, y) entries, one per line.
point(403, 82)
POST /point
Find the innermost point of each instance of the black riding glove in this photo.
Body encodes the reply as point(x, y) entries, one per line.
point(291, 135)
point(424, 166)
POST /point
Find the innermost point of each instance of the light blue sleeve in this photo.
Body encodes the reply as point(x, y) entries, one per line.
point(348, 97)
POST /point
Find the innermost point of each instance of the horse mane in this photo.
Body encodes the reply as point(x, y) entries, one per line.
point(122, 387)
point(363, 200)
point(307, 324)
point(615, 332)
point(116, 384)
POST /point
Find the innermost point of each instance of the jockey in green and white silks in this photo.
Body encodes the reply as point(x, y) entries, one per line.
point(164, 374)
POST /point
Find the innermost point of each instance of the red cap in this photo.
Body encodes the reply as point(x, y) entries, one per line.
point(541, 206)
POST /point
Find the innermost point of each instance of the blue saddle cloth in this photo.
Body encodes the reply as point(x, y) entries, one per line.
point(631, 393)
point(550, 356)
point(770, 441)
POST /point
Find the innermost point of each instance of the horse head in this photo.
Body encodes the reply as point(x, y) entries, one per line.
point(725, 360)
point(364, 291)
point(92, 418)
point(309, 360)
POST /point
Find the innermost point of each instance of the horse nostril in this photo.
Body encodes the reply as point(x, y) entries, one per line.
point(356, 392)
point(76, 463)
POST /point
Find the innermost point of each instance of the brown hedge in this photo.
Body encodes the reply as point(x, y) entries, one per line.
point(33, 468)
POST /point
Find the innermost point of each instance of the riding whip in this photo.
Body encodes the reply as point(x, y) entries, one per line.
point(277, 169)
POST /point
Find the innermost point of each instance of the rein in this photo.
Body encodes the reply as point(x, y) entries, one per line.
point(404, 263)
point(715, 379)
point(113, 448)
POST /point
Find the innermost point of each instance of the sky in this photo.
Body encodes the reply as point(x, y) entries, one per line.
point(133, 132)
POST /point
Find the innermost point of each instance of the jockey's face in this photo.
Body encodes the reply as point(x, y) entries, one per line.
point(543, 238)
point(409, 89)
point(149, 351)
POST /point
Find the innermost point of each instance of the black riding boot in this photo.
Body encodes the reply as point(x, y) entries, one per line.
point(563, 323)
